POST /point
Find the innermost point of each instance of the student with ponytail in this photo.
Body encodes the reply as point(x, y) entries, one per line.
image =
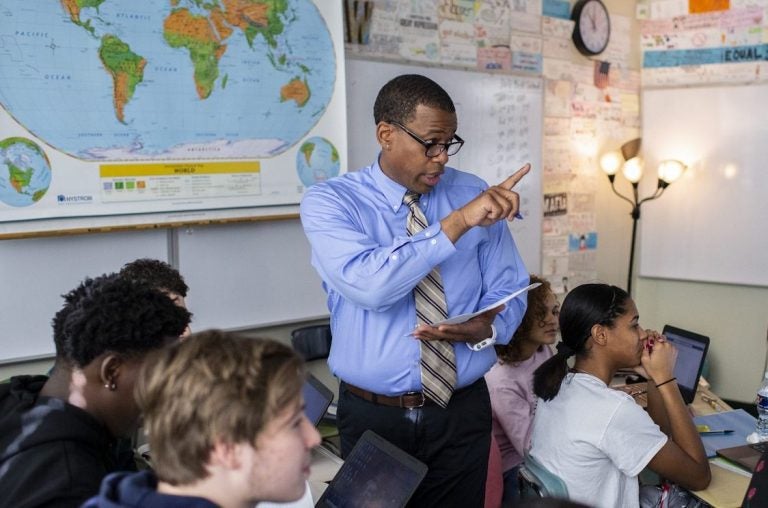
point(598, 439)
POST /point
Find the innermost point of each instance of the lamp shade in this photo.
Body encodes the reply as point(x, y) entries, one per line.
point(610, 162)
point(670, 170)
point(633, 169)
point(631, 148)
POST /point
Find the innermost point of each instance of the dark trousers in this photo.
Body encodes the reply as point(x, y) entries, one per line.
point(453, 442)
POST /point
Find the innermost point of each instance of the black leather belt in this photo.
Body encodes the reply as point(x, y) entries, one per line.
point(409, 400)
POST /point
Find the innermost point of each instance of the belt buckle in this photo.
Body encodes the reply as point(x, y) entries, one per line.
point(408, 394)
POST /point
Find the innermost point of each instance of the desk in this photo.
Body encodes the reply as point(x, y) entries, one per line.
point(325, 464)
point(727, 489)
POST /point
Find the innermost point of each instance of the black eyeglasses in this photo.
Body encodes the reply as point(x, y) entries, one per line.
point(432, 149)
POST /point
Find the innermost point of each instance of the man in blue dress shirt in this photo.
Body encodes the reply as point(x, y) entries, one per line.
point(356, 225)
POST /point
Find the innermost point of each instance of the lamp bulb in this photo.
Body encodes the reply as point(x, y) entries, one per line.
point(611, 162)
point(633, 169)
point(670, 170)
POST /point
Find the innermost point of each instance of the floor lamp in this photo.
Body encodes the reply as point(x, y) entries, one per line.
point(631, 165)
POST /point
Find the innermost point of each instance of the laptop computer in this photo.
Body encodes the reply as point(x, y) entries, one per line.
point(376, 473)
point(757, 491)
point(317, 398)
point(691, 352)
point(747, 456)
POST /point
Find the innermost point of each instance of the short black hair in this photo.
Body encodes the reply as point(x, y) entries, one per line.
point(157, 274)
point(398, 99)
point(114, 314)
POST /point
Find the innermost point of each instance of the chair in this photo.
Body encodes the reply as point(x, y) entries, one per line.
point(494, 482)
point(312, 342)
point(537, 481)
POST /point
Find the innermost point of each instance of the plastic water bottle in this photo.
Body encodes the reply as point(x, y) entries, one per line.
point(762, 409)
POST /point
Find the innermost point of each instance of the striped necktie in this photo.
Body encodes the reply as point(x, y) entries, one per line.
point(438, 358)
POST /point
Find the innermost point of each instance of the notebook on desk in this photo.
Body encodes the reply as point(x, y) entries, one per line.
point(376, 472)
point(738, 422)
point(691, 354)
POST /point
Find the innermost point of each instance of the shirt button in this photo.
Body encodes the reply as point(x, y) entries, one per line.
point(394, 257)
point(428, 234)
point(433, 242)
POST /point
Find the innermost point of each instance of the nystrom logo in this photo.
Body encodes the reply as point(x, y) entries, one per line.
point(74, 200)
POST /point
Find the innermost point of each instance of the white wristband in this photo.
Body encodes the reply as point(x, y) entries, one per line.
point(490, 341)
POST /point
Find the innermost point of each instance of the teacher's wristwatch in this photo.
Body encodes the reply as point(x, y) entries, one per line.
point(490, 341)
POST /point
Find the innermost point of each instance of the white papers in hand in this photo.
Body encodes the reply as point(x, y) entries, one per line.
point(466, 317)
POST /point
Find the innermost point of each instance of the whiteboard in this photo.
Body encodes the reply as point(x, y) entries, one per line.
point(710, 225)
point(500, 118)
point(245, 275)
point(34, 273)
point(239, 276)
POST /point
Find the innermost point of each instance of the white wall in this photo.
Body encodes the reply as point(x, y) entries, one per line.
point(734, 317)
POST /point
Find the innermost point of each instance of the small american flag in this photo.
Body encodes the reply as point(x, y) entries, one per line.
point(601, 74)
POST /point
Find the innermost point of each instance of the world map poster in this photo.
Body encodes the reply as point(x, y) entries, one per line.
point(119, 107)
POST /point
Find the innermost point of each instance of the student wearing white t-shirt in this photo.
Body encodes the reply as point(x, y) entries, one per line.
point(598, 439)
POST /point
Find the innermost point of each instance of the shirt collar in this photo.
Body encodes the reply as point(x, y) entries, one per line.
point(393, 191)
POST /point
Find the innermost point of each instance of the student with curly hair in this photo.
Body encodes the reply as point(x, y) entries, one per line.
point(510, 381)
point(246, 438)
point(598, 439)
point(58, 433)
point(161, 276)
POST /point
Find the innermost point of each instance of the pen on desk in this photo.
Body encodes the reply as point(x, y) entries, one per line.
point(715, 432)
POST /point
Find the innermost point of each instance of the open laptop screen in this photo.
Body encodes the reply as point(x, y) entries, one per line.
point(376, 473)
point(691, 353)
point(317, 398)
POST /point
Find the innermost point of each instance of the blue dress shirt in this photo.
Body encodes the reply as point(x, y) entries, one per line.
point(355, 224)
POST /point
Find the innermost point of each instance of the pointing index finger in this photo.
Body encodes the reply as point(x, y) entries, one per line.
point(512, 180)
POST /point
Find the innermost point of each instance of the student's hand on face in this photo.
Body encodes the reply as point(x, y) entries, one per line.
point(658, 360)
point(497, 203)
point(472, 331)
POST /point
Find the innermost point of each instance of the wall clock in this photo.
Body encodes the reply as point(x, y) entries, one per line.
point(592, 28)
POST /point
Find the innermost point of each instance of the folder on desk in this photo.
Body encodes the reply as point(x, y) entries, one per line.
point(741, 422)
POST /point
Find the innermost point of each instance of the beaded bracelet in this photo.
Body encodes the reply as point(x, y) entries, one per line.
point(667, 381)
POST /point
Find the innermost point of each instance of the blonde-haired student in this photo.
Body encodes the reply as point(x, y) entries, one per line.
point(226, 426)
